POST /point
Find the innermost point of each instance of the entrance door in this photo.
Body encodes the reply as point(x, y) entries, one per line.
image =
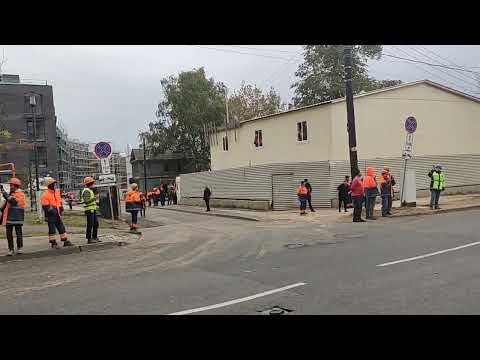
point(283, 192)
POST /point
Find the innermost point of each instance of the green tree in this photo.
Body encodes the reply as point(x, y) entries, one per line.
point(190, 100)
point(321, 75)
point(250, 102)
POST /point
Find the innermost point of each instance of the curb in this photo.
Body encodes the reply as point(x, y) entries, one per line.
point(237, 217)
point(63, 251)
point(441, 211)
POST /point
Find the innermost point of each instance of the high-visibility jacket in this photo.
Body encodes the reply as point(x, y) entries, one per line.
point(438, 181)
point(133, 201)
point(89, 200)
point(302, 191)
point(14, 213)
point(51, 204)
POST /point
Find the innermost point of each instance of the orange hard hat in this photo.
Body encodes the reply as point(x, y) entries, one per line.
point(15, 181)
point(88, 180)
point(49, 181)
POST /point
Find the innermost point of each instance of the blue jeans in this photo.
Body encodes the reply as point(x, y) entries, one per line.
point(385, 204)
point(435, 196)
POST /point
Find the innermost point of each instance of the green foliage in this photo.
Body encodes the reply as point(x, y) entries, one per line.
point(250, 102)
point(190, 100)
point(5, 135)
point(321, 75)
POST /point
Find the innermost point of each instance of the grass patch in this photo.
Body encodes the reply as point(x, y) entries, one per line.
point(72, 218)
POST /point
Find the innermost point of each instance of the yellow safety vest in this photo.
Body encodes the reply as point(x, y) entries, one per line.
point(89, 201)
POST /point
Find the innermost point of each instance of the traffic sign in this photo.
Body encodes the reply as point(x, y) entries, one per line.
point(110, 179)
point(105, 163)
point(410, 124)
point(102, 150)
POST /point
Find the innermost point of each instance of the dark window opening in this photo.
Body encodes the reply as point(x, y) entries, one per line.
point(302, 134)
point(225, 143)
point(258, 138)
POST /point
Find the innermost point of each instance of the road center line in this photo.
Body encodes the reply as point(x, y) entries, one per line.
point(430, 254)
point(236, 301)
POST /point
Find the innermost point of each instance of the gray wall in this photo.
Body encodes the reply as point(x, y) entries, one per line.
point(13, 116)
point(255, 183)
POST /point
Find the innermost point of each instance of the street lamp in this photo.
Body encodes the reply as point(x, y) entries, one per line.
point(33, 104)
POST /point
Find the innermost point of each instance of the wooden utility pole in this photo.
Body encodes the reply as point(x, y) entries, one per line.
point(352, 137)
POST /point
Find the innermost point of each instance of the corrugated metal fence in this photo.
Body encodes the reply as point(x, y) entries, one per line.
point(255, 182)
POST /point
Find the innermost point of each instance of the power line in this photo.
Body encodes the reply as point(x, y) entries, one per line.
point(239, 52)
point(445, 72)
point(271, 50)
point(430, 64)
point(272, 78)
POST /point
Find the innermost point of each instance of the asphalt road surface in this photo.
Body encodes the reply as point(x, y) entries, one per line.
point(198, 264)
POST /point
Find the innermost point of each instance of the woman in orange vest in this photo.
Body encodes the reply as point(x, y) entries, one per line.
point(133, 204)
point(14, 214)
point(52, 206)
point(302, 192)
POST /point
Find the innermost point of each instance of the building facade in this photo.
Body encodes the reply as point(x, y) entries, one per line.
point(273, 153)
point(17, 115)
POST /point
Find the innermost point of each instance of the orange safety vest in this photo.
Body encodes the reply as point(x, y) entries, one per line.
point(14, 215)
point(133, 201)
point(302, 190)
point(51, 198)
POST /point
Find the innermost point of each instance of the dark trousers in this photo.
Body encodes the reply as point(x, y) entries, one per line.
point(207, 203)
point(435, 196)
point(357, 207)
point(385, 204)
point(134, 217)
point(309, 200)
point(92, 224)
point(370, 205)
point(340, 201)
point(175, 199)
point(56, 225)
point(162, 200)
point(18, 231)
point(155, 201)
point(149, 202)
point(390, 200)
point(70, 205)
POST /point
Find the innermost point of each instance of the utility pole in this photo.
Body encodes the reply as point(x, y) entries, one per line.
point(33, 103)
point(352, 137)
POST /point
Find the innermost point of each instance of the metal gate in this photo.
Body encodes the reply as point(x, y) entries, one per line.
point(283, 191)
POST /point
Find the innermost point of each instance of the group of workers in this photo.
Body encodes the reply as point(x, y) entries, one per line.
point(165, 193)
point(304, 193)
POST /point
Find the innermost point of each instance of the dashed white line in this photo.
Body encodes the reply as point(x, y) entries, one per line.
point(429, 254)
point(236, 301)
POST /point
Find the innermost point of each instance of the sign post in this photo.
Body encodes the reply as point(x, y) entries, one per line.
point(410, 128)
point(103, 152)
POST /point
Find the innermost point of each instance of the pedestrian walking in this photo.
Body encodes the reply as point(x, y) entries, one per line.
point(302, 193)
point(52, 206)
point(163, 194)
point(357, 192)
point(309, 194)
point(70, 200)
point(437, 185)
point(174, 193)
point(343, 194)
point(89, 201)
point(385, 191)
point(207, 193)
point(371, 192)
point(13, 215)
point(133, 205)
point(156, 196)
point(143, 200)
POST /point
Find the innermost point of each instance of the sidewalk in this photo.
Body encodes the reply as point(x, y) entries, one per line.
point(322, 215)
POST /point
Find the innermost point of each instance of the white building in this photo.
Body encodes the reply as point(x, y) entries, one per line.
point(312, 142)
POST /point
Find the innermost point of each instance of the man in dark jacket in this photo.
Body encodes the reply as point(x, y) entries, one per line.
point(309, 194)
point(206, 196)
point(343, 190)
point(385, 192)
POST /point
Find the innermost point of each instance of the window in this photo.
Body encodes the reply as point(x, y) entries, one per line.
point(40, 129)
point(302, 131)
point(258, 139)
point(225, 143)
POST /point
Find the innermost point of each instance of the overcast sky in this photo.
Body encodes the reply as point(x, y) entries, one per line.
point(111, 92)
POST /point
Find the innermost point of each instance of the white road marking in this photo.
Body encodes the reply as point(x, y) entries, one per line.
point(236, 301)
point(430, 254)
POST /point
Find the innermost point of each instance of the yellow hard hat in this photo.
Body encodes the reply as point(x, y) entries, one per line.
point(88, 180)
point(49, 181)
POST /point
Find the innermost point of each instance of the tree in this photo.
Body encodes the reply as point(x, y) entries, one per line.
point(250, 102)
point(190, 100)
point(321, 75)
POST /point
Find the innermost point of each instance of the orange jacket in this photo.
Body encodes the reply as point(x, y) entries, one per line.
point(302, 191)
point(368, 179)
point(14, 214)
point(51, 198)
point(133, 201)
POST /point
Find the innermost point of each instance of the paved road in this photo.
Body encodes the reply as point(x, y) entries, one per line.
point(196, 261)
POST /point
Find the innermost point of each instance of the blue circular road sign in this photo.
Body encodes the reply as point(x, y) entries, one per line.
point(411, 124)
point(103, 150)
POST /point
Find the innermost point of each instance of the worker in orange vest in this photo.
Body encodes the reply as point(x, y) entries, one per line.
point(133, 205)
point(52, 206)
point(302, 193)
point(14, 214)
